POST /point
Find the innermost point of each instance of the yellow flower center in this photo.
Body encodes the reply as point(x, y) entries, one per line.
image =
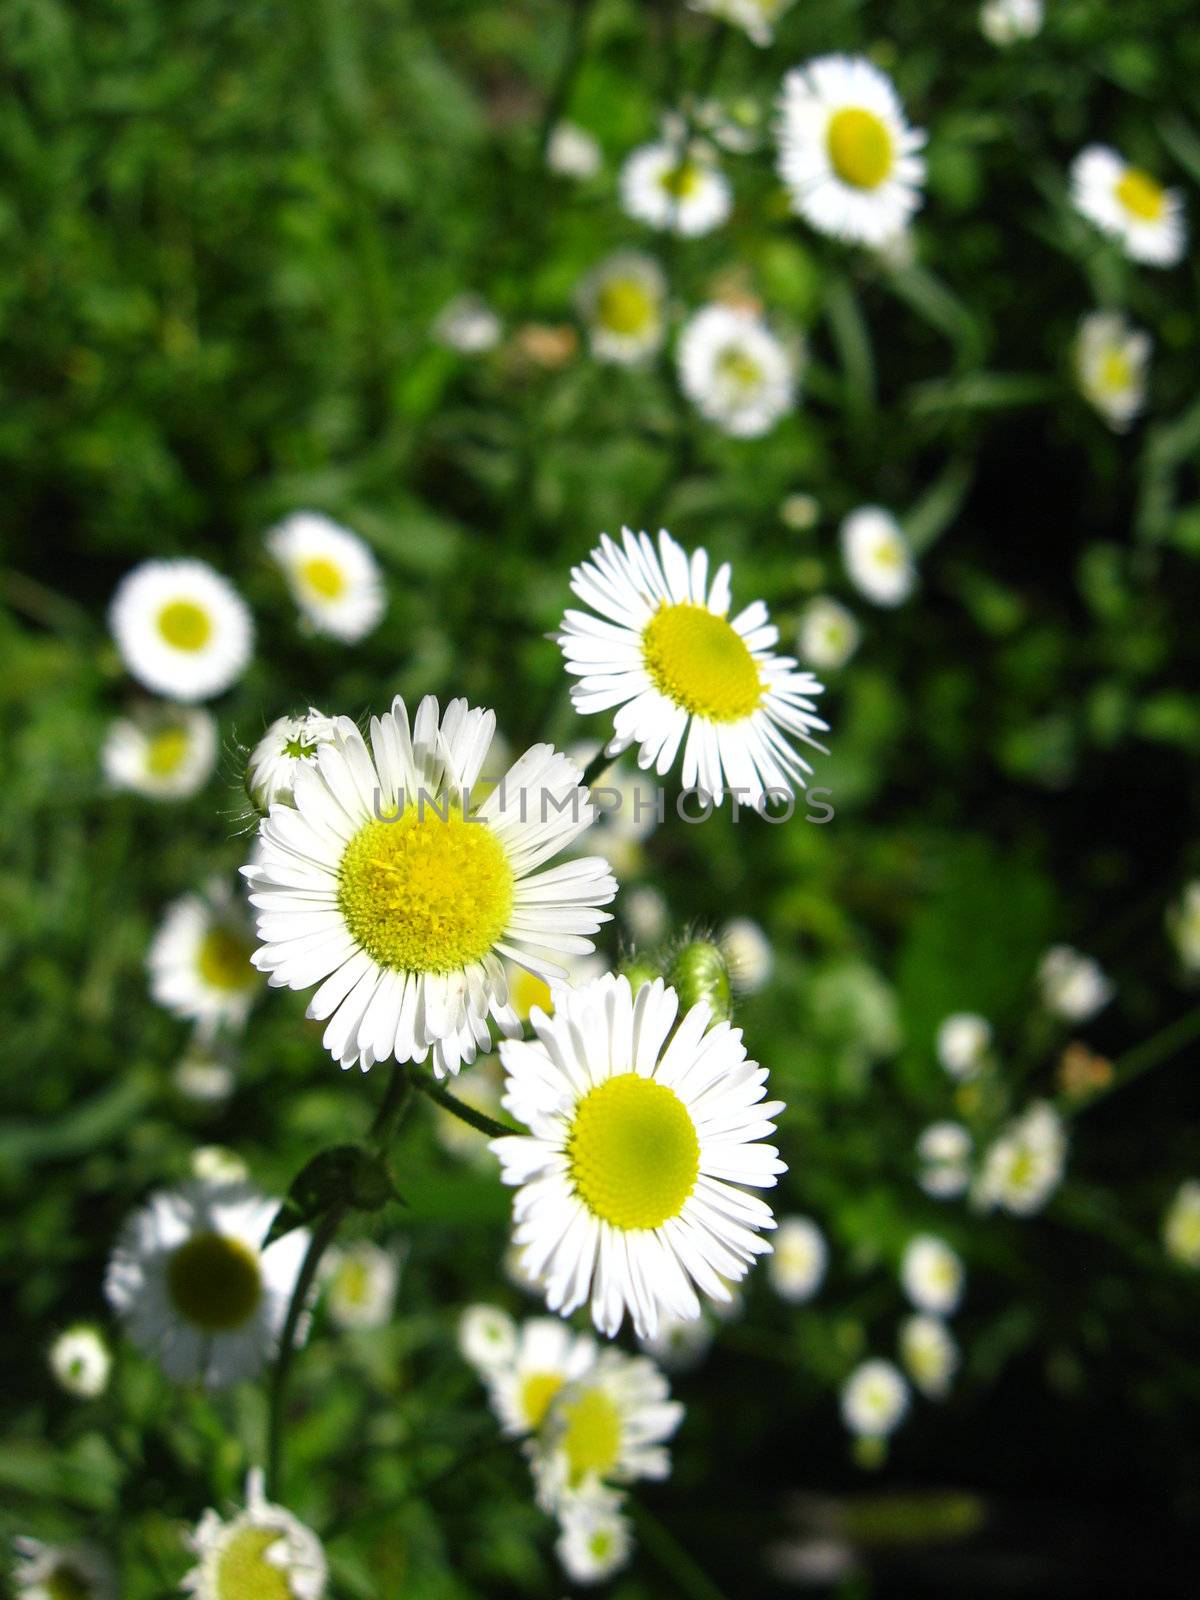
point(528, 990)
point(166, 751)
point(1115, 372)
point(66, 1583)
point(591, 1439)
point(223, 960)
point(215, 1282)
point(625, 306)
point(739, 368)
point(860, 147)
point(426, 893)
point(698, 661)
point(1143, 198)
point(634, 1152)
point(323, 577)
point(353, 1282)
point(537, 1391)
point(243, 1573)
point(682, 182)
point(185, 625)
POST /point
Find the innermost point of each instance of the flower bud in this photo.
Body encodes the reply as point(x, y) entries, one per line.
point(639, 969)
point(288, 744)
point(700, 972)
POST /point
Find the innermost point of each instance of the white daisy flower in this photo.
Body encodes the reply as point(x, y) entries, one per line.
point(194, 1287)
point(932, 1275)
point(749, 954)
point(622, 302)
point(797, 1264)
point(62, 1572)
point(963, 1041)
point(334, 577)
point(288, 744)
point(200, 961)
point(756, 18)
point(1181, 1225)
point(828, 634)
point(548, 1356)
point(397, 895)
point(182, 629)
point(668, 190)
point(1184, 924)
point(487, 1338)
point(846, 153)
point(944, 1160)
point(164, 752)
point(680, 1344)
point(874, 1399)
point(735, 371)
point(877, 557)
point(1005, 22)
point(1073, 986)
point(81, 1361)
point(595, 1539)
point(930, 1355)
point(214, 1163)
point(262, 1551)
point(1024, 1166)
point(1111, 359)
point(1129, 205)
point(663, 651)
point(468, 325)
point(608, 1427)
point(632, 1180)
point(360, 1285)
point(572, 152)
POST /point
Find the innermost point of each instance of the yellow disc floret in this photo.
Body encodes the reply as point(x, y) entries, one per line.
point(625, 306)
point(166, 751)
point(697, 660)
point(860, 147)
point(538, 1390)
point(682, 182)
point(65, 1583)
point(1141, 195)
point(634, 1152)
point(185, 625)
point(1116, 373)
point(591, 1439)
point(738, 368)
point(427, 892)
point(223, 960)
point(244, 1573)
point(215, 1282)
point(323, 577)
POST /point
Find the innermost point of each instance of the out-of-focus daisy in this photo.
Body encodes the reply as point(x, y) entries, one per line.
point(631, 1185)
point(672, 191)
point(1073, 986)
point(1183, 923)
point(877, 557)
point(333, 576)
point(469, 325)
point(944, 1160)
point(734, 125)
point(164, 753)
point(203, 1073)
point(756, 18)
point(963, 1041)
point(621, 302)
point(487, 1338)
point(932, 1275)
point(62, 1572)
point(182, 629)
point(796, 1266)
point(828, 634)
point(930, 1355)
point(199, 961)
point(388, 888)
point(846, 153)
point(874, 1399)
point(360, 1285)
point(288, 744)
point(81, 1361)
point(800, 512)
point(1024, 1165)
point(608, 1427)
point(663, 652)
point(1181, 1225)
point(216, 1163)
point(1005, 22)
point(548, 1356)
point(526, 990)
point(1129, 205)
point(735, 371)
point(572, 152)
point(645, 912)
point(680, 1343)
point(595, 1539)
point(1111, 359)
point(749, 955)
point(194, 1287)
point(261, 1553)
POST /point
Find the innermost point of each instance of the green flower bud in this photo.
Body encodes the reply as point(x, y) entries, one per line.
point(639, 969)
point(700, 972)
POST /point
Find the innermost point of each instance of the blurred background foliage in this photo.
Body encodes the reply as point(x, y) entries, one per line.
point(226, 232)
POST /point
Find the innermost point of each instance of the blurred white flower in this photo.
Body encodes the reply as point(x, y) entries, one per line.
point(1111, 359)
point(963, 1042)
point(874, 1399)
point(930, 1355)
point(828, 634)
point(289, 744)
point(1073, 986)
point(735, 371)
point(681, 193)
point(595, 1538)
point(1184, 924)
point(1004, 22)
point(645, 912)
point(333, 576)
point(215, 1163)
point(680, 1344)
point(944, 1160)
point(487, 1338)
point(1181, 1225)
point(1129, 205)
point(164, 752)
point(572, 152)
point(877, 557)
point(62, 1572)
point(548, 1355)
point(81, 1361)
point(749, 954)
point(932, 1275)
point(756, 18)
point(182, 629)
point(797, 1263)
point(800, 511)
point(202, 1074)
point(262, 1551)
point(360, 1284)
point(468, 324)
point(199, 960)
point(1024, 1166)
point(621, 302)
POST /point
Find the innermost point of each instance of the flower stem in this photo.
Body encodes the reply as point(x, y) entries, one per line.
point(1151, 1052)
point(690, 1579)
point(599, 762)
point(465, 1113)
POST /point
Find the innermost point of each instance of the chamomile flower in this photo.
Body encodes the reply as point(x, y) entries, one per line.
point(874, 1399)
point(1024, 1166)
point(608, 1427)
point(930, 1355)
point(389, 889)
point(622, 303)
point(1005, 22)
point(164, 752)
point(595, 1538)
point(360, 1285)
point(572, 152)
point(735, 371)
point(963, 1041)
point(631, 1184)
point(676, 192)
point(487, 1338)
point(1129, 205)
point(1181, 1226)
point(944, 1160)
point(333, 577)
point(681, 675)
point(261, 1551)
point(62, 1572)
point(828, 634)
point(748, 953)
point(877, 557)
point(932, 1275)
point(756, 18)
point(796, 1266)
point(200, 961)
point(195, 1288)
point(288, 744)
point(1183, 923)
point(548, 1356)
point(1111, 359)
point(1073, 986)
point(182, 629)
point(468, 325)
point(846, 154)
point(81, 1361)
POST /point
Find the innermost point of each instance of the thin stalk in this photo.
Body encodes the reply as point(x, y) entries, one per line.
point(598, 764)
point(1152, 1052)
point(689, 1578)
point(465, 1113)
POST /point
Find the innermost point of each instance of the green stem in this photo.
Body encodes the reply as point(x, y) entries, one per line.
point(690, 1579)
point(1150, 1053)
point(464, 1112)
point(599, 763)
